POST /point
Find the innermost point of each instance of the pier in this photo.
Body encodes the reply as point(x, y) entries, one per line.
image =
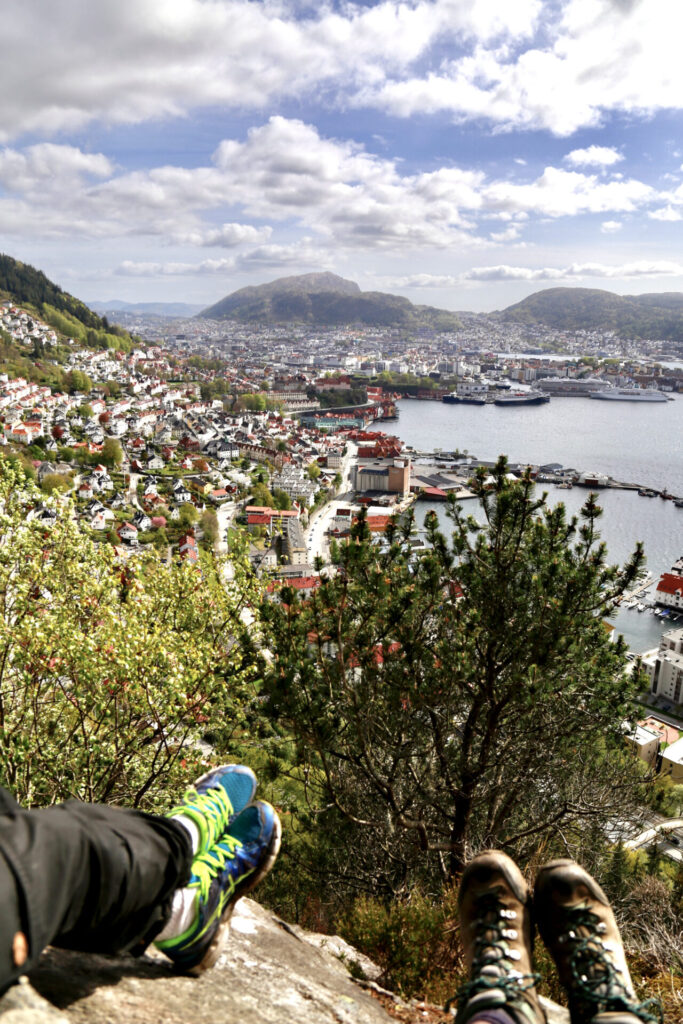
point(464, 461)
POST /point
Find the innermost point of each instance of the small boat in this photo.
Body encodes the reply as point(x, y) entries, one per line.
point(641, 607)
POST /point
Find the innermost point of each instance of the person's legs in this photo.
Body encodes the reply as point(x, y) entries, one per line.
point(102, 879)
point(84, 876)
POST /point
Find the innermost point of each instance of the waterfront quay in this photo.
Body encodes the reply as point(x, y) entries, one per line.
point(448, 470)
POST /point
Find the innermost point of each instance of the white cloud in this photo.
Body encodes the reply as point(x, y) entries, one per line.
point(666, 213)
point(132, 268)
point(420, 281)
point(128, 61)
point(285, 177)
point(594, 156)
point(132, 60)
point(509, 235)
point(643, 268)
point(558, 193)
point(51, 166)
point(597, 56)
point(610, 227)
point(226, 236)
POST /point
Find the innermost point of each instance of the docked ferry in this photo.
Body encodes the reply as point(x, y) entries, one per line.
point(522, 398)
point(469, 393)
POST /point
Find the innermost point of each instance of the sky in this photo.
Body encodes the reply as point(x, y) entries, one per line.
point(463, 153)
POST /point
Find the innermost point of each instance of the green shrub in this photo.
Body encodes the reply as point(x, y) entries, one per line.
point(414, 941)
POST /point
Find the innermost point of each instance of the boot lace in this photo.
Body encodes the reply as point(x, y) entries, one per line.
point(493, 962)
point(597, 984)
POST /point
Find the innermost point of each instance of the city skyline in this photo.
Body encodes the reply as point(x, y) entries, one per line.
point(463, 153)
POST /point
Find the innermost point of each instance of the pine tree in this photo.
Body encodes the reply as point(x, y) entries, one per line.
point(463, 698)
point(617, 871)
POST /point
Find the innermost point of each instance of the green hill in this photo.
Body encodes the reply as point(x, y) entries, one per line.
point(653, 316)
point(326, 300)
point(31, 289)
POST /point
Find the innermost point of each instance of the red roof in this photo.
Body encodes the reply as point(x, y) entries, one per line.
point(265, 510)
point(670, 584)
point(666, 732)
point(378, 524)
point(297, 583)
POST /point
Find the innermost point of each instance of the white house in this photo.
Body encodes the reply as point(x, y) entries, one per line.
point(666, 671)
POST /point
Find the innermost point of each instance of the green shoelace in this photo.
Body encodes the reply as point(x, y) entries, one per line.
point(491, 949)
point(207, 865)
point(596, 982)
point(210, 812)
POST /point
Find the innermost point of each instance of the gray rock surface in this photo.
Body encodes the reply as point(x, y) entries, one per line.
point(269, 973)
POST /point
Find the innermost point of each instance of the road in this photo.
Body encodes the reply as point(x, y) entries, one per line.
point(316, 532)
point(224, 514)
point(662, 829)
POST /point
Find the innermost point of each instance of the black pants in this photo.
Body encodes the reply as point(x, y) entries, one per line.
point(85, 876)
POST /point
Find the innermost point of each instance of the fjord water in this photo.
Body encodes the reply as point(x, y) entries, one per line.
point(637, 442)
point(629, 441)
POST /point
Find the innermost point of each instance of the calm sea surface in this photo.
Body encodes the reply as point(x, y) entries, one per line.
point(628, 441)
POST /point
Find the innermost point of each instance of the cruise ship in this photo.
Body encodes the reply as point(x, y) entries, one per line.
point(580, 386)
point(630, 394)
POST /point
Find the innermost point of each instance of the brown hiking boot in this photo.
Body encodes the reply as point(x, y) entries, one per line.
point(578, 927)
point(496, 934)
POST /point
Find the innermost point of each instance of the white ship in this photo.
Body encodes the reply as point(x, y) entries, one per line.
point(629, 394)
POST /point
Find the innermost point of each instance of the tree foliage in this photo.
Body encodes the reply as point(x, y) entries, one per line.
point(465, 698)
point(110, 673)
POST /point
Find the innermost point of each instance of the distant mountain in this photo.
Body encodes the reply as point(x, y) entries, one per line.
point(654, 316)
point(179, 309)
point(327, 301)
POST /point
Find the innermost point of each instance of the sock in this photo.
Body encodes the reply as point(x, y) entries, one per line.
point(492, 1017)
point(190, 827)
point(183, 913)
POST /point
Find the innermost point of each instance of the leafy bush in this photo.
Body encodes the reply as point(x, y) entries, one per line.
point(414, 941)
point(110, 673)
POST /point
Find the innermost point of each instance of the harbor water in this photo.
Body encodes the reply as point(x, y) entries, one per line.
point(630, 442)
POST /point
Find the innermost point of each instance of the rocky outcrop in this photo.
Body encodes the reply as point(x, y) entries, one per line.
point(269, 973)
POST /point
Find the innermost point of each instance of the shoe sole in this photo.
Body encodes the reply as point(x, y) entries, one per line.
point(250, 882)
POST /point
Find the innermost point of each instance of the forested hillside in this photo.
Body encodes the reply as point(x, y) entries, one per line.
point(326, 300)
point(658, 317)
point(30, 288)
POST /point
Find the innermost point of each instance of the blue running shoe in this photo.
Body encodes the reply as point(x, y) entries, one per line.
point(215, 800)
point(229, 870)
